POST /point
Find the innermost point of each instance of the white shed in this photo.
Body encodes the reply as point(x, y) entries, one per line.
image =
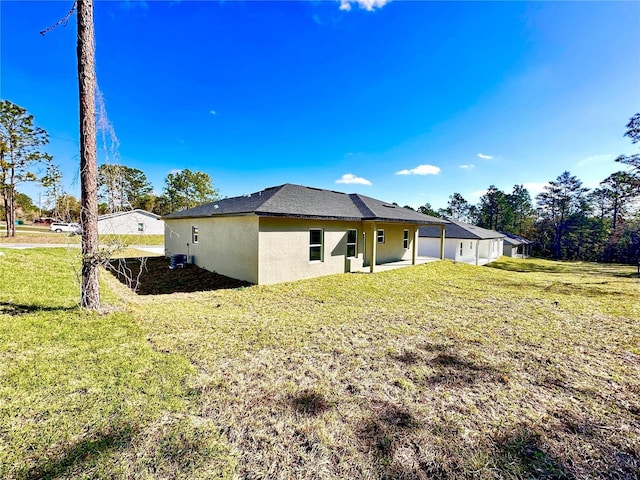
point(463, 243)
point(132, 222)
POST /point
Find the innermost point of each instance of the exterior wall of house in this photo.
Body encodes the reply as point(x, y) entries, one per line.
point(226, 245)
point(392, 249)
point(490, 250)
point(284, 252)
point(266, 250)
point(516, 251)
point(285, 249)
point(482, 251)
point(430, 247)
point(131, 223)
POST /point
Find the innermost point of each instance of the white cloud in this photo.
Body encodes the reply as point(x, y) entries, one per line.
point(535, 188)
point(421, 170)
point(484, 156)
point(468, 167)
point(213, 112)
point(369, 5)
point(350, 178)
point(175, 170)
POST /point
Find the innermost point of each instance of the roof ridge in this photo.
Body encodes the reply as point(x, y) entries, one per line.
point(123, 212)
point(276, 189)
point(361, 205)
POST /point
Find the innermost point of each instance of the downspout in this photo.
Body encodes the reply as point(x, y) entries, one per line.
point(374, 238)
point(414, 246)
point(364, 247)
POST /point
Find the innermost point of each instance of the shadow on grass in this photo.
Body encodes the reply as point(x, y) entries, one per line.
point(152, 276)
point(309, 402)
point(81, 454)
point(520, 453)
point(584, 268)
point(448, 367)
point(387, 431)
point(16, 309)
point(605, 289)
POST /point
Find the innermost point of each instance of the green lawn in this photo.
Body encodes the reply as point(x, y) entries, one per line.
point(44, 236)
point(529, 370)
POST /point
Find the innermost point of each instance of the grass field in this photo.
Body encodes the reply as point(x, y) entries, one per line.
point(42, 235)
point(527, 370)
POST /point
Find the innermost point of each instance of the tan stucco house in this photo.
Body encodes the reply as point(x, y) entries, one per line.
point(291, 232)
point(464, 243)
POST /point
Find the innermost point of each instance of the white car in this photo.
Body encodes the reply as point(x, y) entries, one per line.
point(65, 227)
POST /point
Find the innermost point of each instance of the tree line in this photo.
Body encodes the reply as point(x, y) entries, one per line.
point(119, 187)
point(567, 221)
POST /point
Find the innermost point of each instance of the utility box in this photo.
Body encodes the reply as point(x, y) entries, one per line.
point(177, 261)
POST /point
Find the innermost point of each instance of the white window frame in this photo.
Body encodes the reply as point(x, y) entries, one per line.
point(140, 227)
point(195, 233)
point(313, 246)
point(461, 246)
point(405, 239)
point(353, 244)
point(380, 235)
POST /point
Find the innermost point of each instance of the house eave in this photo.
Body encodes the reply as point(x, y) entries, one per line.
point(308, 217)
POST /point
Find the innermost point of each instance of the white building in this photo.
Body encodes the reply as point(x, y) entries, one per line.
point(516, 247)
point(132, 222)
point(463, 243)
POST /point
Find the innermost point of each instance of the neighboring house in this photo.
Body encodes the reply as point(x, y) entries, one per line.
point(290, 232)
point(515, 246)
point(463, 243)
point(132, 222)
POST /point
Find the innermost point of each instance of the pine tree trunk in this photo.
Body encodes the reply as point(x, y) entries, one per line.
point(11, 226)
point(90, 288)
point(5, 198)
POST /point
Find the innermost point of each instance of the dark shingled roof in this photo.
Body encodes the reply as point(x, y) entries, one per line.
point(458, 229)
point(298, 201)
point(515, 240)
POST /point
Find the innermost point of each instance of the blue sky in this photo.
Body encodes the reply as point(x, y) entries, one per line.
point(404, 101)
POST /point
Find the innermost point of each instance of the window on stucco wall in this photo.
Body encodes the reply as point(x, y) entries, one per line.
point(352, 243)
point(315, 244)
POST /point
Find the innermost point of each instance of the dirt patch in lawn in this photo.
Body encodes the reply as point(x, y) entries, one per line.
point(152, 276)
